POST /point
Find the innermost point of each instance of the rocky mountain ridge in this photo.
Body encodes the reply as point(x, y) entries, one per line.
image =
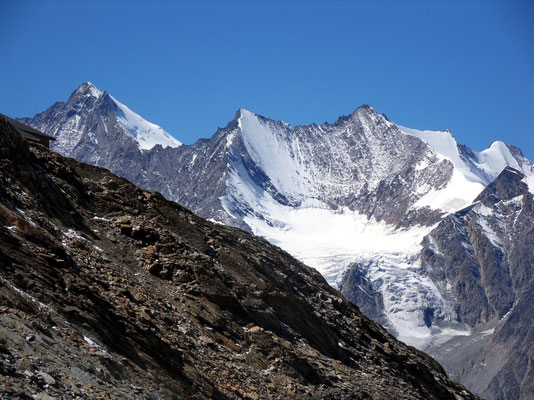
point(111, 291)
point(363, 201)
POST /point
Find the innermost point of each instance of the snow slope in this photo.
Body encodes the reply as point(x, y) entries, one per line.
point(145, 133)
point(473, 171)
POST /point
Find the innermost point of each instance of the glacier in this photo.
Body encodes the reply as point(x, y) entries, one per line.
point(294, 209)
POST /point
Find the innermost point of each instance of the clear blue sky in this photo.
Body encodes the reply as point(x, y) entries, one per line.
point(188, 66)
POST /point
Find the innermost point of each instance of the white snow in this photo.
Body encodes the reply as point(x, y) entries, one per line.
point(471, 175)
point(483, 210)
point(489, 232)
point(145, 133)
point(28, 219)
point(457, 194)
point(331, 241)
point(285, 164)
point(94, 345)
point(72, 234)
point(26, 295)
point(444, 144)
point(93, 91)
point(529, 180)
point(488, 332)
point(496, 158)
point(292, 209)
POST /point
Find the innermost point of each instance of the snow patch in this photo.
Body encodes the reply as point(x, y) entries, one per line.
point(28, 219)
point(25, 295)
point(529, 180)
point(483, 210)
point(489, 232)
point(94, 345)
point(457, 194)
point(72, 234)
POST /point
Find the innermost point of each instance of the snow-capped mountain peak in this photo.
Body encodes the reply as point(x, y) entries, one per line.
point(91, 121)
point(472, 170)
point(390, 215)
point(87, 89)
point(443, 143)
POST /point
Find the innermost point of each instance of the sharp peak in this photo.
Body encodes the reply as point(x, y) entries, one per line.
point(364, 107)
point(242, 111)
point(87, 88)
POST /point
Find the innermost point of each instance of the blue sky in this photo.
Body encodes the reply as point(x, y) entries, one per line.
point(188, 66)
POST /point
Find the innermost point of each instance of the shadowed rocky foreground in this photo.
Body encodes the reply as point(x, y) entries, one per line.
point(110, 291)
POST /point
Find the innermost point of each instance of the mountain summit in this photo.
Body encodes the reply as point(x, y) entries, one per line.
point(92, 122)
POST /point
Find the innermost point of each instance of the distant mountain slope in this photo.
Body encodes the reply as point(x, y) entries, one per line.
point(362, 200)
point(93, 126)
point(110, 291)
point(483, 255)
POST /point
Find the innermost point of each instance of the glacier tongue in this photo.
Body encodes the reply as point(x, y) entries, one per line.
point(331, 241)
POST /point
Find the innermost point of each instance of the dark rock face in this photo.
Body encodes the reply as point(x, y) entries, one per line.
point(508, 185)
point(358, 289)
point(484, 257)
point(108, 290)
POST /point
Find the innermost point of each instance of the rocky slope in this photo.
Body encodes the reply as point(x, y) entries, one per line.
point(484, 254)
point(111, 291)
point(362, 200)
